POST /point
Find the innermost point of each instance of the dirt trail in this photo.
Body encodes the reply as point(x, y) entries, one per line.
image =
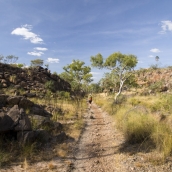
point(96, 150)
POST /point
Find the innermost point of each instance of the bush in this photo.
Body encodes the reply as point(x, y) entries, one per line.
point(156, 86)
point(50, 85)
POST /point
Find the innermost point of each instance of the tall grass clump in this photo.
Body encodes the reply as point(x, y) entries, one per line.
point(138, 128)
point(162, 138)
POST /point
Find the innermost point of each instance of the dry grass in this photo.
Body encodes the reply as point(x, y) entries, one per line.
point(62, 150)
point(140, 125)
point(51, 166)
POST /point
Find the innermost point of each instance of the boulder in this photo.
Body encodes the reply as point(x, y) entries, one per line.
point(61, 137)
point(3, 100)
point(24, 123)
point(38, 110)
point(14, 100)
point(21, 122)
point(28, 137)
point(14, 113)
point(49, 125)
point(39, 119)
point(30, 95)
point(25, 103)
point(5, 123)
point(43, 136)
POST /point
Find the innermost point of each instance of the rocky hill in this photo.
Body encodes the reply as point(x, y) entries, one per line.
point(18, 113)
point(160, 78)
point(36, 79)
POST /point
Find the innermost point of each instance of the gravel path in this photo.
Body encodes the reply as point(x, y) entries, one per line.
point(96, 149)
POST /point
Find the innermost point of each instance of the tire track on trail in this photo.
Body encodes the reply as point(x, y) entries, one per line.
point(96, 148)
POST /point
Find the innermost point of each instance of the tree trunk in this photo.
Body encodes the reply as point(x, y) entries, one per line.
point(119, 91)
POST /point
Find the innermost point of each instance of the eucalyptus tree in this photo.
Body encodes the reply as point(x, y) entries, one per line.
point(121, 65)
point(77, 74)
point(37, 62)
point(11, 59)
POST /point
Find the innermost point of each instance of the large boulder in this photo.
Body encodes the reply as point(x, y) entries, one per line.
point(14, 100)
point(51, 126)
point(14, 113)
point(3, 100)
point(24, 123)
point(38, 110)
point(61, 137)
point(21, 122)
point(5, 122)
point(28, 137)
point(25, 103)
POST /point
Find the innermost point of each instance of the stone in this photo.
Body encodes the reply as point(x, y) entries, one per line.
point(14, 100)
point(61, 137)
point(5, 122)
point(25, 103)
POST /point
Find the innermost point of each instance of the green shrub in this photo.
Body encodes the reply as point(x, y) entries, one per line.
point(156, 86)
point(50, 85)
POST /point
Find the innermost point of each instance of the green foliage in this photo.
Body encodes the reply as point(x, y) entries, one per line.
point(94, 88)
point(37, 62)
point(64, 94)
point(156, 86)
point(77, 74)
point(47, 66)
point(10, 59)
point(50, 85)
point(97, 61)
point(157, 58)
point(121, 66)
point(55, 73)
point(154, 66)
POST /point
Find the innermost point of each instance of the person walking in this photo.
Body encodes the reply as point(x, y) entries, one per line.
point(90, 99)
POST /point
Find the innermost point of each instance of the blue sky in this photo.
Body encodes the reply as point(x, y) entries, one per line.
point(59, 31)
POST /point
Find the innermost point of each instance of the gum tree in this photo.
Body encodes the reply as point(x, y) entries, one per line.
point(121, 65)
point(77, 74)
point(37, 62)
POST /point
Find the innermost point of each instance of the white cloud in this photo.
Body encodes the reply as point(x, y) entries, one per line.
point(35, 53)
point(40, 49)
point(151, 56)
point(155, 50)
point(166, 26)
point(25, 31)
point(52, 60)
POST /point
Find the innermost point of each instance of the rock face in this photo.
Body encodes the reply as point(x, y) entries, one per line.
point(163, 76)
point(30, 79)
point(15, 123)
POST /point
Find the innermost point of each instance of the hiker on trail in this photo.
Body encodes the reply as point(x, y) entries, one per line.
point(90, 100)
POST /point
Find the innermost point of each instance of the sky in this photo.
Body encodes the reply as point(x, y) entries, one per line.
point(60, 31)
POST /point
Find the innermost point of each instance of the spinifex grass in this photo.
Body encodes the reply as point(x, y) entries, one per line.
point(140, 125)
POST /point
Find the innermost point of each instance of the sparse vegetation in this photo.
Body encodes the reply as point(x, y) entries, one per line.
point(145, 121)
